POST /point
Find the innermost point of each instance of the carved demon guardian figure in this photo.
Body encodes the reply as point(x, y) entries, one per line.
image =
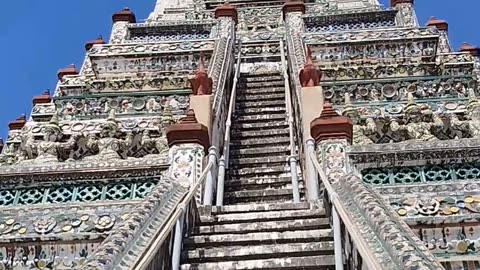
point(107, 144)
point(472, 124)
point(50, 149)
point(415, 125)
point(360, 132)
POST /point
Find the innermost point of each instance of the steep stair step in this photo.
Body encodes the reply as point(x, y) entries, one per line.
point(260, 133)
point(259, 104)
point(260, 207)
point(259, 161)
point(277, 215)
point(273, 77)
point(268, 170)
point(317, 229)
point(237, 253)
point(262, 98)
point(262, 84)
point(277, 124)
point(268, 195)
point(261, 151)
point(265, 142)
point(276, 110)
point(258, 183)
point(321, 262)
point(259, 117)
point(261, 91)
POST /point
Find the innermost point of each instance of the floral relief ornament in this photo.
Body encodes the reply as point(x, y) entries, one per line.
point(105, 222)
point(44, 224)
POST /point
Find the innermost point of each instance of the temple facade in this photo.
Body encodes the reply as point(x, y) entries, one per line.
point(325, 134)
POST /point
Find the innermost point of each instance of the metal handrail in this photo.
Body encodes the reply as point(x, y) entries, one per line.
point(338, 209)
point(288, 103)
point(225, 158)
point(222, 70)
point(174, 221)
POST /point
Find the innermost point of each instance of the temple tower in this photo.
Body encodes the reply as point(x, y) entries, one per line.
point(328, 134)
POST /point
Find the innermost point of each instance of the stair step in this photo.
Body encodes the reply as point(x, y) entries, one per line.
point(234, 218)
point(261, 151)
point(261, 91)
point(260, 207)
point(262, 84)
point(262, 104)
point(259, 183)
point(258, 171)
point(258, 161)
point(291, 231)
point(262, 78)
point(255, 142)
point(261, 98)
point(237, 253)
point(257, 111)
point(261, 125)
point(286, 263)
point(260, 195)
point(259, 117)
point(260, 133)
point(321, 262)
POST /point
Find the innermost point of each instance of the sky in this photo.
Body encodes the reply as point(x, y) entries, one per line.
point(40, 37)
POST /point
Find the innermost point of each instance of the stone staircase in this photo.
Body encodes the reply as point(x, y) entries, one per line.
point(259, 170)
point(260, 227)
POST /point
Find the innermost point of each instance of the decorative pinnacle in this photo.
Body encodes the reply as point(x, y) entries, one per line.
point(90, 44)
point(437, 23)
point(43, 98)
point(475, 51)
point(126, 15)
point(190, 118)
point(70, 70)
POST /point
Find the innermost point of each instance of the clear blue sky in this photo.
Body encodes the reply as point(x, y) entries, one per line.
point(40, 37)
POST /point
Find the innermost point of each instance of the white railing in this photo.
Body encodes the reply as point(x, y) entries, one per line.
point(225, 158)
point(338, 211)
point(184, 217)
point(292, 159)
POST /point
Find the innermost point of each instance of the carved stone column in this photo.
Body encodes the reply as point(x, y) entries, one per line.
point(442, 26)
point(188, 141)
point(406, 13)
point(332, 133)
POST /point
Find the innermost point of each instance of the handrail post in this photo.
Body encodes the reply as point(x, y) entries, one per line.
point(224, 160)
point(292, 160)
point(312, 177)
point(209, 185)
point(293, 169)
point(177, 241)
point(337, 240)
point(221, 181)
